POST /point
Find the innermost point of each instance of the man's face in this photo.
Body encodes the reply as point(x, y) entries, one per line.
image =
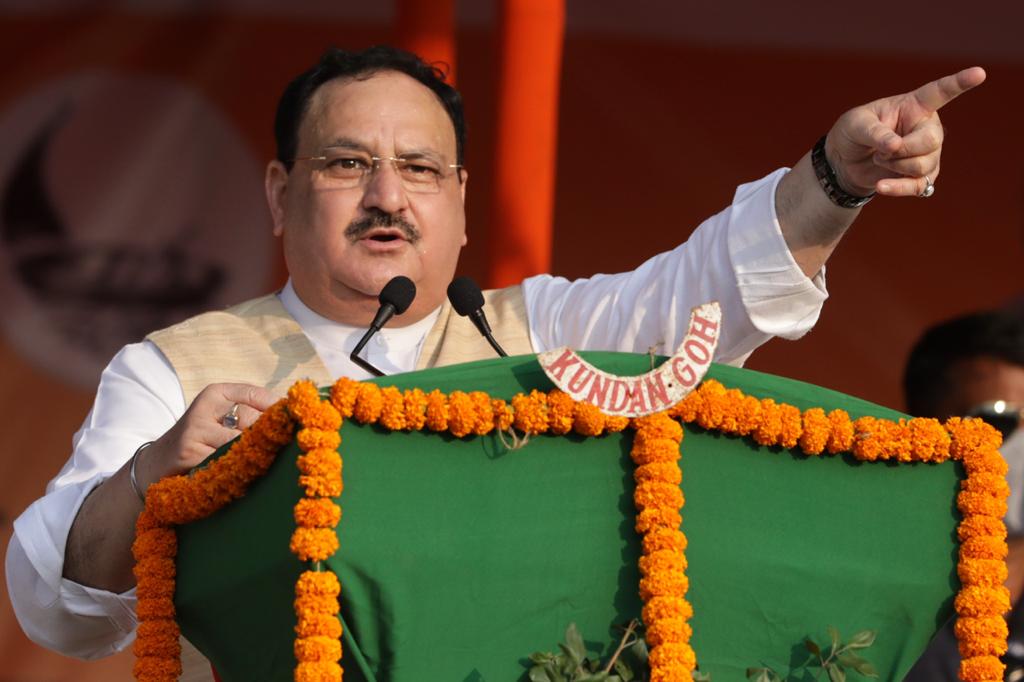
point(342, 245)
point(982, 380)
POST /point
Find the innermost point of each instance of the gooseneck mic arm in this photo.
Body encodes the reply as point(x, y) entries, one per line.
point(468, 301)
point(395, 298)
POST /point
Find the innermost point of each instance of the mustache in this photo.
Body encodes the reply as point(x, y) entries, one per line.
point(359, 227)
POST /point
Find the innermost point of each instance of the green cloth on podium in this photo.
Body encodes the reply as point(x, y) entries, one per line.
point(458, 559)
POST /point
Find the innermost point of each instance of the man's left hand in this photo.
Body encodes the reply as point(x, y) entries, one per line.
point(892, 145)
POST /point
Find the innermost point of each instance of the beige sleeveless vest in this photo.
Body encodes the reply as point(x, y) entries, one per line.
point(258, 342)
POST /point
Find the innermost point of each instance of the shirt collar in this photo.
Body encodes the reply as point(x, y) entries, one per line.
point(323, 331)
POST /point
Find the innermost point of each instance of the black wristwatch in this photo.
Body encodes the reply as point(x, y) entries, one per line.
point(827, 179)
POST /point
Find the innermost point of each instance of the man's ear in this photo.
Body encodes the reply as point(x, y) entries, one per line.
point(464, 177)
point(275, 183)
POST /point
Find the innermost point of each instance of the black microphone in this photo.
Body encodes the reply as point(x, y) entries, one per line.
point(468, 301)
point(395, 298)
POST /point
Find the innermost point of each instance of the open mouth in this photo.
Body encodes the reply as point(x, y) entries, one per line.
point(384, 235)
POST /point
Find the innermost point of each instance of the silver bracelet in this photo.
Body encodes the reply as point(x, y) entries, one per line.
point(131, 471)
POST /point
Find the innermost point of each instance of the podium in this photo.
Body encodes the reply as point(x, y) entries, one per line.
point(458, 557)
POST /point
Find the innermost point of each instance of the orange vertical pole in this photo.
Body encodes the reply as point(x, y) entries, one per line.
point(527, 120)
point(427, 28)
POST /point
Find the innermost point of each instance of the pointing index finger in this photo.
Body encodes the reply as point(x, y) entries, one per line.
point(933, 96)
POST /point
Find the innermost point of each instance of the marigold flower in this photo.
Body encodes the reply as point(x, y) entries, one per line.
point(986, 483)
point(157, 668)
point(317, 512)
point(791, 426)
point(666, 472)
point(970, 434)
point(985, 547)
point(967, 628)
point(587, 419)
point(658, 426)
point(984, 572)
point(672, 654)
point(461, 414)
point(560, 412)
point(392, 413)
point(931, 440)
point(660, 539)
point(155, 638)
point(816, 431)
point(713, 404)
point(317, 649)
point(840, 438)
point(344, 393)
point(650, 450)
point(686, 409)
point(153, 588)
point(320, 463)
point(324, 583)
point(531, 412)
point(503, 415)
point(161, 568)
point(648, 494)
point(981, 669)
point(664, 585)
point(155, 542)
point(318, 671)
point(314, 544)
point(769, 430)
point(657, 517)
point(664, 607)
point(978, 602)
point(316, 439)
point(154, 609)
point(615, 424)
point(668, 631)
point(437, 411)
point(732, 413)
point(981, 503)
point(982, 646)
point(369, 404)
point(309, 606)
point(977, 525)
point(318, 625)
point(415, 409)
point(483, 411)
point(662, 562)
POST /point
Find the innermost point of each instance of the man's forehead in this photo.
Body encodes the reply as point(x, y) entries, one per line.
point(359, 109)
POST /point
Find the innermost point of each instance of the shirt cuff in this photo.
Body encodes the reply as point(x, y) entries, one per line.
point(42, 530)
point(779, 298)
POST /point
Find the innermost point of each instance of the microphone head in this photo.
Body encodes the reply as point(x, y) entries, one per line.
point(465, 296)
point(399, 292)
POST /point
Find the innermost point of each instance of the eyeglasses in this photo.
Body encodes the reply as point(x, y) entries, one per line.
point(347, 169)
point(1002, 415)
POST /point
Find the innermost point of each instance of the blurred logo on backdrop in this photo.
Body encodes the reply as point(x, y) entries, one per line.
point(127, 203)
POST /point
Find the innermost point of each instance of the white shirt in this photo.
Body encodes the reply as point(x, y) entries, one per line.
point(737, 257)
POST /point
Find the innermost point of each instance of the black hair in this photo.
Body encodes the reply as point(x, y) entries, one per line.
point(926, 379)
point(337, 63)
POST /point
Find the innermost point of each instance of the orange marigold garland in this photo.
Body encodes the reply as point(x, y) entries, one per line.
point(663, 581)
point(181, 499)
point(318, 639)
point(983, 599)
point(980, 604)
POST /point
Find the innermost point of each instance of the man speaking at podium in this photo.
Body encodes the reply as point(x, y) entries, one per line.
point(369, 184)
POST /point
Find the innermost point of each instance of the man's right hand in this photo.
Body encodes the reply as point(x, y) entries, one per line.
point(201, 430)
point(98, 551)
